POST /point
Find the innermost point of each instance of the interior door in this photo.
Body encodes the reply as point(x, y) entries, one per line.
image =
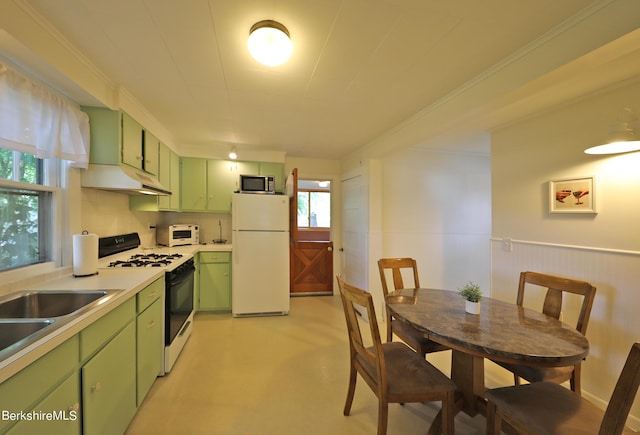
point(311, 263)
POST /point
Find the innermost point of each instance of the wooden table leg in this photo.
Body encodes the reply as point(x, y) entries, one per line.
point(467, 371)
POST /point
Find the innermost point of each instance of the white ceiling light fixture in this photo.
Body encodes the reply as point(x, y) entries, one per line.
point(233, 154)
point(269, 43)
point(623, 136)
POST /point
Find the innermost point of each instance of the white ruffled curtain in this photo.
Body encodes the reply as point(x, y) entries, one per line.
point(36, 120)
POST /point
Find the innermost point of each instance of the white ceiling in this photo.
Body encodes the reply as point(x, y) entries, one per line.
point(360, 68)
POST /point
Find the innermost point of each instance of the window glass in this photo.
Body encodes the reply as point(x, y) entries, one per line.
point(314, 209)
point(23, 226)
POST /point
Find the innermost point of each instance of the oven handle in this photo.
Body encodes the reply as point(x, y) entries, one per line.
point(182, 277)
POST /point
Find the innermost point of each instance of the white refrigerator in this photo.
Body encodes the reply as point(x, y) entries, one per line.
point(260, 267)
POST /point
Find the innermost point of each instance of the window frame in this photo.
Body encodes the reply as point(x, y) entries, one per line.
point(309, 191)
point(49, 178)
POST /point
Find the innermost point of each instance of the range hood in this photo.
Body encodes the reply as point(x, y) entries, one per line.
point(121, 178)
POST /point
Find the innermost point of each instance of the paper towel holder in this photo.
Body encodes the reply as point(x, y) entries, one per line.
point(75, 259)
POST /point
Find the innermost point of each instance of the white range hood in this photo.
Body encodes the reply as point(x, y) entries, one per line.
point(122, 178)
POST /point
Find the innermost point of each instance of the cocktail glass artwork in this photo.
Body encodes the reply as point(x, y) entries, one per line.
point(577, 194)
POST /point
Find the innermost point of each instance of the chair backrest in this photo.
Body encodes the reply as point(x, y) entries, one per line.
point(556, 285)
point(396, 264)
point(623, 395)
point(353, 297)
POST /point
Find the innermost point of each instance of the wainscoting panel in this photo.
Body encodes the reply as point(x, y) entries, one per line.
point(615, 317)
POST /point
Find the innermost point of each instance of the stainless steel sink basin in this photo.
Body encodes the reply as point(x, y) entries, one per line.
point(14, 331)
point(29, 315)
point(16, 334)
point(43, 304)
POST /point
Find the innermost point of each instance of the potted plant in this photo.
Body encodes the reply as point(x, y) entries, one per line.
point(472, 295)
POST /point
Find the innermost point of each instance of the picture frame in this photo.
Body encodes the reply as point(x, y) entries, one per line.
point(573, 195)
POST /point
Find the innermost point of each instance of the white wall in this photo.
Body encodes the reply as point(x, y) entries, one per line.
point(432, 205)
point(602, 248)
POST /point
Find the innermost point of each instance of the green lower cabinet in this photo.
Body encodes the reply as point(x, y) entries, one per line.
point(59, 412)
point(215, 282)
point(149, 348)
point(109, 385)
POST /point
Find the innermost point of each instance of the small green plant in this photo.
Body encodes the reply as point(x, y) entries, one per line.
point(471, 292)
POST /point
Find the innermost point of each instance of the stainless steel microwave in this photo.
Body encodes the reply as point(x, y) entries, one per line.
point(179, 234)
point(257, 184)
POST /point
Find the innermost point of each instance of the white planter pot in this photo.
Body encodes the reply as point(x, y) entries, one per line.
point(472, 307)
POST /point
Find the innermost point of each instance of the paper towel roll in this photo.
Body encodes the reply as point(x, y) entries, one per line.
point(85, 254)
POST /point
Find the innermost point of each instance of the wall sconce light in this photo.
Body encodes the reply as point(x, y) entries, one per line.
point(623, 136)
point(233, 154)
point(269, 43)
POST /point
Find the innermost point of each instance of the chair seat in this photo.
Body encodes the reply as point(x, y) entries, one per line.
point(409, 376)
point(415, 338)
point(546, 408)
point(539, 374)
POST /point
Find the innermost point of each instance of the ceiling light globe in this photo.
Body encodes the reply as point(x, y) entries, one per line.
point(269, 43)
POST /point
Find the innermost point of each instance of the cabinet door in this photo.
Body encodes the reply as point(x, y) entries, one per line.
point(174, 199)
point(149, 349)
point(221, 182)
point(64, 405)
point(109, 386)
point(151, 151)
point(215, 287)
point(193, 184)
point(164, 176)
point(131, 142)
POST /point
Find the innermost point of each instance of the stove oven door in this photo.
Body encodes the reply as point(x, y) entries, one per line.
point(179, 301)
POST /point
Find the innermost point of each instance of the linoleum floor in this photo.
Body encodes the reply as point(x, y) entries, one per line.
point(275, 375)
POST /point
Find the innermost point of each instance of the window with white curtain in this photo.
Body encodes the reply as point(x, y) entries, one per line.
point(39, 129)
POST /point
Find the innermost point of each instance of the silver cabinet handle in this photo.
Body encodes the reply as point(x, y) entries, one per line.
point(96, 387)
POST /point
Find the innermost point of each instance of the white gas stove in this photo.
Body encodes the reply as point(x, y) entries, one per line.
point(123, 252)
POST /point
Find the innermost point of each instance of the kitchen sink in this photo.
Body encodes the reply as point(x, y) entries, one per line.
point(16, 334)
point(43, 304)
point(29, 315)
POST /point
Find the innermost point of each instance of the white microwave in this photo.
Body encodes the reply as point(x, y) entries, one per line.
point(179, 234)
point(257, 184)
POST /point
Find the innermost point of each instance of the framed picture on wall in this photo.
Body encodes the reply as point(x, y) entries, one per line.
point(573, 195)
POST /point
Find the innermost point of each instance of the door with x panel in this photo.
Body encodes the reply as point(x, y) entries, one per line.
point(311, 254)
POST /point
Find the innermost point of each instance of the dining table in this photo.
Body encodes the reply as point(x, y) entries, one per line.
point(502, 331)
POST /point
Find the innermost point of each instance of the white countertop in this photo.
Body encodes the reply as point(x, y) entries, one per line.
point(128, 281)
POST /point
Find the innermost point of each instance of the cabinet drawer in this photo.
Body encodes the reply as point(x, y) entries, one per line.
point(215, 257)
point(63, 404)
point(22, 390)
point(98, 333)
point(147, 296)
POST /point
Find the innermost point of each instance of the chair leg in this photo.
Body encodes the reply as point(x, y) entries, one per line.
point(494, 421)
point(448, 415)
point(575, 380)
point(383, 416)
point(352, 389)
point(516, 380)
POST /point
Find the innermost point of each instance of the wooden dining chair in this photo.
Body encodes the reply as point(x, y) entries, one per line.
point(414, 338)
point(394, 372)
point(552, 306)
point(548, 408)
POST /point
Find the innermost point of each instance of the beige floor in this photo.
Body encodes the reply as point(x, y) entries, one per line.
point(273, 375)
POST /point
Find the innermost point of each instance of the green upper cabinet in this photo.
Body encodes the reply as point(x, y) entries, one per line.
point(132, 142)
point(193, 184)
point(118, 138)
point(169, 176)
point(221, 183)
point(151, 152)
point(207, 185)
